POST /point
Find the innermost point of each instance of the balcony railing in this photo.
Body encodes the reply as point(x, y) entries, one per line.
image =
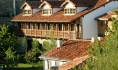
point(48, 33)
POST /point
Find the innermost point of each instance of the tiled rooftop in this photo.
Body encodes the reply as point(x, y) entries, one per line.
point(73, 63)
point(34, 4)
point(57, 17)
point(69, 50)
point(107, 15)
point(55, 3)
point(84, 3)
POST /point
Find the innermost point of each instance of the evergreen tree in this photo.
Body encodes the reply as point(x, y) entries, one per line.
point(7, 40)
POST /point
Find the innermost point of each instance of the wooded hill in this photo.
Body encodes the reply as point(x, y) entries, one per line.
point(6, 7)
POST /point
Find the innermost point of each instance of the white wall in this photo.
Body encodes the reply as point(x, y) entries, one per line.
point(46, 65)
point(27, 7)
point(56, 10)
point(36, 10)
point(52, 61)
point(79, 9)
point(69, 5)
point(46, 6)
point(90, 28)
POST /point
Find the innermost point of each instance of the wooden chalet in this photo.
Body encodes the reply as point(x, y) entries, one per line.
point(66, 19)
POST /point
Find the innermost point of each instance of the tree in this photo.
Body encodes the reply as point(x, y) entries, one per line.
point(11, 59)
point(7, 40)
point(105, 53)
point(49, 44)
point(30, 56)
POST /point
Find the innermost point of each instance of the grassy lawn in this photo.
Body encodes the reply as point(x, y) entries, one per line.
point(27, 66)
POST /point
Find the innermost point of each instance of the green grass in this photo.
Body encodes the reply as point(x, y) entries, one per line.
point(27, 66)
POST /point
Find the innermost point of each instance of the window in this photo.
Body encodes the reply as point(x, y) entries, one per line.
point(27, 12)
point(69, 11)
point(47, 11)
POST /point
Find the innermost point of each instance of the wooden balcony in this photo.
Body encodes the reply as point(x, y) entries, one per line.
point(48, 33)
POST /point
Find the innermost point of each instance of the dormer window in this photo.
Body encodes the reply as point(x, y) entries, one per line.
point(47, 11)
point(27, 12)
point(69, 11)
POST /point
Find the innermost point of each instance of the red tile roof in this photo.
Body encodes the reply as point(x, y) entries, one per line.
point(69, 50)
point(73, 63)
point(106, 15)
point(55, 3)
point(84, 3)
point(57, 17)
point(32, 4)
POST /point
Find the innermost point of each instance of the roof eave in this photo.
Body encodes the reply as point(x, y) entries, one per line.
point(36, 21)
point(105, 19)
point(51, 58)
point(24, 5)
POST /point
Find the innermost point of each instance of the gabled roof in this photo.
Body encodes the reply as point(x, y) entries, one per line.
point(32, 4)
point(73, 63)
point(69, 50)
point(81, 3)
point(59, 16)
point(106, 16)
point(65, 2)
point(54, 4)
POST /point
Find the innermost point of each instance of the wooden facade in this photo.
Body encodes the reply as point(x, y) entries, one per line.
point(56, 30)
point(103, 26)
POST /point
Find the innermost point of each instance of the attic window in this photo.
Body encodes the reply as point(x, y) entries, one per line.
point(47, 11)
point(69, 11)
point(27, 12)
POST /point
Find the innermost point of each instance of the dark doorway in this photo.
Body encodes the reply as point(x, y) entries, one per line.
point(29, 44)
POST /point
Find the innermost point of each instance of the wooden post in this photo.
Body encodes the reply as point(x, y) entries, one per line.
point(63, 30)
point(56, 30)
point(35, 29)
point(69, 34)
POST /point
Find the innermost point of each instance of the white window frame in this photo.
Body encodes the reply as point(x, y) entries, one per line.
point(69, 11)
point(47, 11)
point(27, 12)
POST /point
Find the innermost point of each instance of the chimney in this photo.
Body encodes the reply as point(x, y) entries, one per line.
point(58, 43)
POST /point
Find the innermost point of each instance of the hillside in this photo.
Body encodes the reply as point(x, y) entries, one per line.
point(6, 7)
